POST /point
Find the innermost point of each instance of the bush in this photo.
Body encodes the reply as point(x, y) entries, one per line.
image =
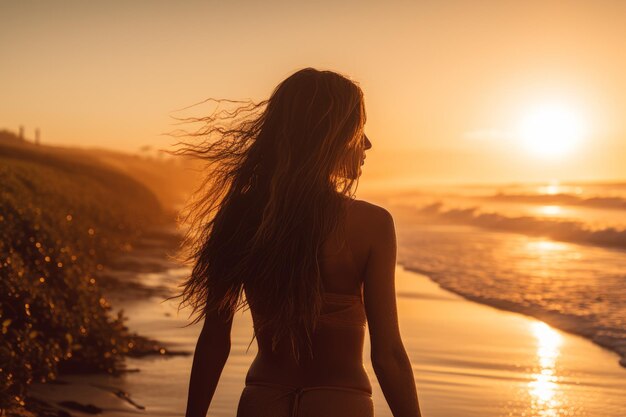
point(60, 221)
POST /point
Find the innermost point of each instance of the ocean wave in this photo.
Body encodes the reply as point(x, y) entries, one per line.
point(612, 203)
point(576, 289)
point(561, 230)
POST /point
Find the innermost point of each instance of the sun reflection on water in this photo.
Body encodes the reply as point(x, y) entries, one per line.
point(544, 387)
point(544, 247)
point(550, 210)
point(552, 188)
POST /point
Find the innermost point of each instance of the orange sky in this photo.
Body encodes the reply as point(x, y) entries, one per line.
point(447, 83)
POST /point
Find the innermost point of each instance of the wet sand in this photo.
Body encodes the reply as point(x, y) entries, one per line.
point(469, 360)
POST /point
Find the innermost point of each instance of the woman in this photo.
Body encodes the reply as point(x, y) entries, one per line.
point(277, 230)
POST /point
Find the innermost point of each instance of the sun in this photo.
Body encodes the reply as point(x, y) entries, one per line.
point(552, 129)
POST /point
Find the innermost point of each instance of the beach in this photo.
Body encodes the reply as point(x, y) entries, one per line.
point(469, 360)
point(143, 140)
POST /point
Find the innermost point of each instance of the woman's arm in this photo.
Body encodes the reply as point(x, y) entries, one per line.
point(209, 358)
point(389, 359)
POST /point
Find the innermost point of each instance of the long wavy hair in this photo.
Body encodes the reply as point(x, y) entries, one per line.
point(277, 173)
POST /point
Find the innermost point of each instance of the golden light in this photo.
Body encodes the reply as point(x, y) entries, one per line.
point(550, 210)
point(544, 387)
point(552, 129)
point(542, 247)
point(553, 188)
point(548, 343)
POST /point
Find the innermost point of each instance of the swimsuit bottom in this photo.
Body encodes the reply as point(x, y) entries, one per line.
point(264, 399)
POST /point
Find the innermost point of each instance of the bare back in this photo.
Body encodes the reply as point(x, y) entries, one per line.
point(337, 349)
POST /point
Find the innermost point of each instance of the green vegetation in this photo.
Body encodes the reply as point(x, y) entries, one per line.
point(61, 219)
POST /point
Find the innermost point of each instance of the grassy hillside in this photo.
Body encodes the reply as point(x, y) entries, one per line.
point(171, 180)
point(61, 219)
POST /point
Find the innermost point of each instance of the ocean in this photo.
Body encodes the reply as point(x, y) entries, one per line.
point(497, 246)
point(554, 251)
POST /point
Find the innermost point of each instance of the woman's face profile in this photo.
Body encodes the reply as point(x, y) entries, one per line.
point(367, 145)
point(356, 172)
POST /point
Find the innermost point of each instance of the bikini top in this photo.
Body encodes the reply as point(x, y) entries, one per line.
point(342, 309)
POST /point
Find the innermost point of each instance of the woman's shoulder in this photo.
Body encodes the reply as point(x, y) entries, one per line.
point(370, 227)
point(367, 224)
point(362, 210)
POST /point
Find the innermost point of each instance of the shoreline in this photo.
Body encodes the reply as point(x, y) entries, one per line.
point(502, 362)
point(557, 320)
point(118, 284)
point(461, 351)
point(147, 257)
